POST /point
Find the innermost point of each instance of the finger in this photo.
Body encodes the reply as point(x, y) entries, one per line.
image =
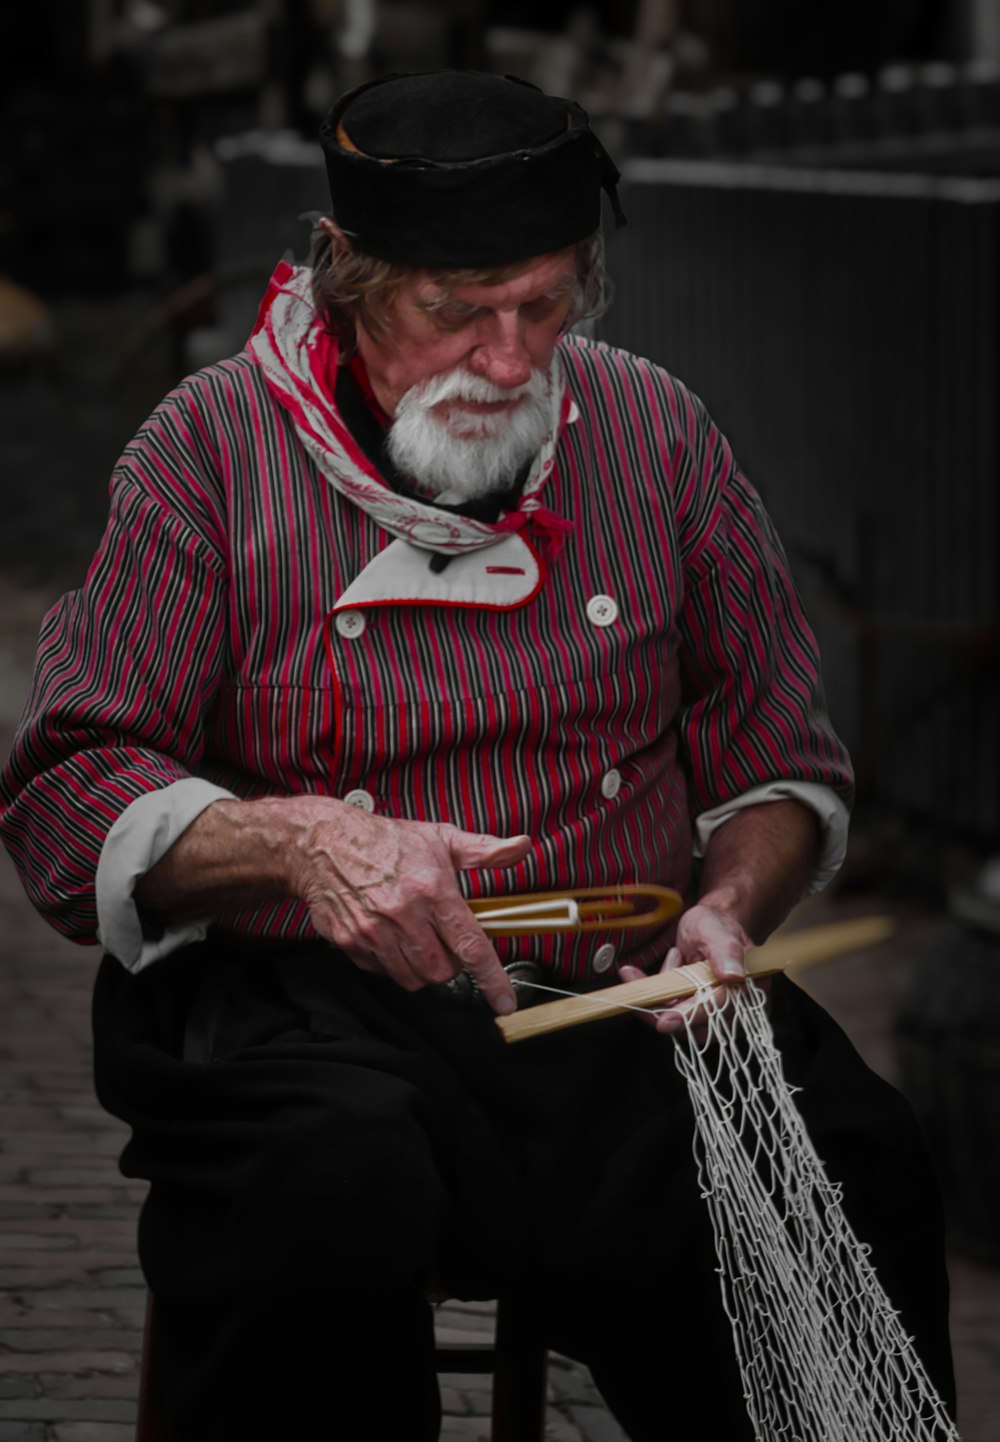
point(469, 849)
point(672, 1025)
point(693, 1013)
point(365, 961)
point(469, 945)
point(669, 1022)
point(635, 973)
point(711, 940)
point(429, 960)
point(387, 959)
point(412, 949)
point(727, 959)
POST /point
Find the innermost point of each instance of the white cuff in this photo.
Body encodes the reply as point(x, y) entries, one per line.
point(824, 803)
point(143, 833)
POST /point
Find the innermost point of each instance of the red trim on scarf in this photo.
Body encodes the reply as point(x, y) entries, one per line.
point(282, 274)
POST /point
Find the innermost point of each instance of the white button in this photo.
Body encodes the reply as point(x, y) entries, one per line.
point(611, 783)
point(350, 624)
point(574, 414)
point(604, 957)
point(364, 800)
point(602, 610)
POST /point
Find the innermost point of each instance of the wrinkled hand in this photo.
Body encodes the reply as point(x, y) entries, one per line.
point(385, 892)
point(707, 934)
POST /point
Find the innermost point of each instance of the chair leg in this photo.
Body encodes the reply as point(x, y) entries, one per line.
point(519, 1363)
point(519, 1376)
point(147, 1422)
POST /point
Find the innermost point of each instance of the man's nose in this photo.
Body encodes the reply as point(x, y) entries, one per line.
point(502, 354)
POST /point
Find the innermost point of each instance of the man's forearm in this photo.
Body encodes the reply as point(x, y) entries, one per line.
point(758, 865)
point(384, 891)
point(233, 850)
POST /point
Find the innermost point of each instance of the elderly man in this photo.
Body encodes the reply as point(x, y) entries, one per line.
point(417, 599)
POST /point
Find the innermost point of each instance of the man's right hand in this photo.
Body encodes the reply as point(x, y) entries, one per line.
point(383, 891)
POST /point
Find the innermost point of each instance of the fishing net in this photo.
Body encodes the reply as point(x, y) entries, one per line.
point(821, 1351)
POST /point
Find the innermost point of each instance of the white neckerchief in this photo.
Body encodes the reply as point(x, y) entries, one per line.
point(296, 356)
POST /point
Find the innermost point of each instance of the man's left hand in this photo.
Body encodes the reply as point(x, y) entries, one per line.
point(755, 868)
point(707, 934)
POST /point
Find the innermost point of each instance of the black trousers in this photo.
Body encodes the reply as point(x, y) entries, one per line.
point(324, 1147)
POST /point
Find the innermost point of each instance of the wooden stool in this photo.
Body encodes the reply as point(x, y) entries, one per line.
point(517, 1359)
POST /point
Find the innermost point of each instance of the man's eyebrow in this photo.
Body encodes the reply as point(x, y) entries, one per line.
point(444, 298)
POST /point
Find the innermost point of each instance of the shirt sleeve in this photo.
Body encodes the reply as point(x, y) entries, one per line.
point(126, 672)
point(829, 810)
point(752, 705)
point(143, 833)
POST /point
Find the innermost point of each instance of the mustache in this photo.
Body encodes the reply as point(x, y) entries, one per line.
point(462, 385)
point(468, 456)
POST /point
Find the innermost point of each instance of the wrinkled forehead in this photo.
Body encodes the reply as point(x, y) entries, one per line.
point(541, 275)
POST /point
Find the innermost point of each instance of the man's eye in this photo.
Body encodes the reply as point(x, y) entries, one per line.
point(542, 308)
point(452, 317)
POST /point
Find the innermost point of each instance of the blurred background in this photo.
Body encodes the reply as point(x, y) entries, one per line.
point(814, 193)
point(814, 247)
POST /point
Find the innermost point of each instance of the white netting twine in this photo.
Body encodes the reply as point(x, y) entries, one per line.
point(821, 1351)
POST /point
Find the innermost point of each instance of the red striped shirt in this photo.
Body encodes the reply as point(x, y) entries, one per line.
point(201, 644)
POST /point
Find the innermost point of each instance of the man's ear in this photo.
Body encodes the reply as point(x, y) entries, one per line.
point(338, 240)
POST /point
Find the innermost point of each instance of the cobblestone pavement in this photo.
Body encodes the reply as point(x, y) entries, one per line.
point(71, 1296)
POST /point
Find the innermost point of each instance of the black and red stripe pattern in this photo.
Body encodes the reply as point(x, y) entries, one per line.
point(202, 643)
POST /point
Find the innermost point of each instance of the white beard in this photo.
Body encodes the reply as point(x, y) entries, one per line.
point(468, 455)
